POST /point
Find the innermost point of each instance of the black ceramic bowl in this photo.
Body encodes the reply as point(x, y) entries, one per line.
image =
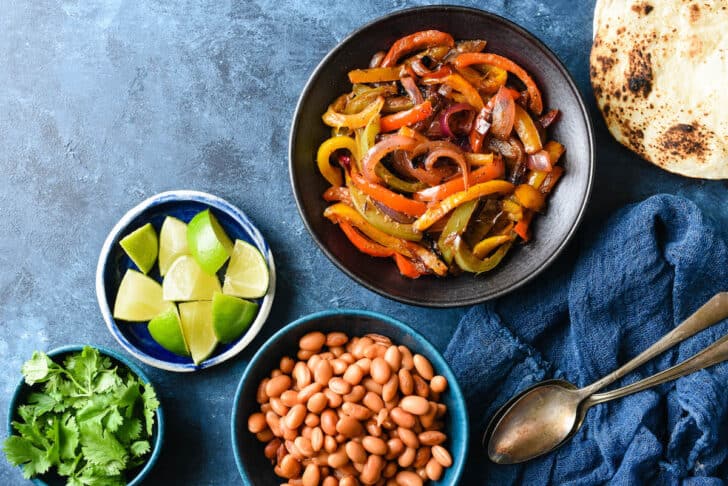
point(552, 230)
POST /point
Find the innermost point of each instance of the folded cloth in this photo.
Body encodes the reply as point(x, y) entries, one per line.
point(613, 295)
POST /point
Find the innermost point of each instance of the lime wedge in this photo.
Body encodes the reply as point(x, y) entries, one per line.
point(185, 280)
point(167, 331)
point(139, 298)
point(208, 242)
point(196, 319)
point(172, 243)
point(247, 273)
point(142, 245)
point(231, 316)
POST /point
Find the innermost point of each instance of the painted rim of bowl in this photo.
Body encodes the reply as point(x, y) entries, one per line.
point(72, 348)
point(572, 86)
point(432, 353)
point(241, 219)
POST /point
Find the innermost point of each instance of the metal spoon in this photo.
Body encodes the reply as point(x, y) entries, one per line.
point(543, 417)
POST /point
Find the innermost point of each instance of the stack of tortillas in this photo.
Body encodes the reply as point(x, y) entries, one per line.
point(659, 69)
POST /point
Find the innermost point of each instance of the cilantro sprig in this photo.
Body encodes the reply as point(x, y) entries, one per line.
point(90, 419)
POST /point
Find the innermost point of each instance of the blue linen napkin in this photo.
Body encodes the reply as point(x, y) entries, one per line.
point(616, 293)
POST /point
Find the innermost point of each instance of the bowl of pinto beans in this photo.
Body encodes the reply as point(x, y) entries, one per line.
point(441, 156)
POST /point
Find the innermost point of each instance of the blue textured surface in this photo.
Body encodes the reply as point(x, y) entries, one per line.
point(103, 104)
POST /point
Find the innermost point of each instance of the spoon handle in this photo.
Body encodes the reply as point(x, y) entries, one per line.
point(712, 355)
point(713, 311)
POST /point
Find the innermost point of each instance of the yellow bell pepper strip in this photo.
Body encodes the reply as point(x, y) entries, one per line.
point(341, 212)
point(334, 118)
point(555, 151)
point(374, 75)
point(397, 120)
point(413, 42)
point(441, 208)
point(337, 193)
point(381, 221)
point(529, 197)
point(487, 245)
point(391, 199)
point(535, 102)
point(396, 183)
point(551, 179)
point(468, 262)
point(522, 226)
point(376, 153)
point(326, 150)
point(513, 209)
point(363, 244)
point(479, 159)
point(494, 170)
point(459, 84)
point(455, 226)
point(407, 267)
point(365, 97)
point(412, 133)
point(536, 178)
point(527, 131)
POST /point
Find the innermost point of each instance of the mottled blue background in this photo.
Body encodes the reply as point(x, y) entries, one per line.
point(103, 104)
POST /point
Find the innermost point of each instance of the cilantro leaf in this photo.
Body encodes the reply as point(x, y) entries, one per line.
point(140, 447)
point(37, 368)
point(69, 436)
point(102, 449)
point(20, 451)
point(151, 404)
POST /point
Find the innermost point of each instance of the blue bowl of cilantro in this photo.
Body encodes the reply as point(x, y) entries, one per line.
point(84, 415)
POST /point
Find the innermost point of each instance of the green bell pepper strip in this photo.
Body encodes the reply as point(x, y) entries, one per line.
point(470, 263)
point(379, 220)
point(455, 227)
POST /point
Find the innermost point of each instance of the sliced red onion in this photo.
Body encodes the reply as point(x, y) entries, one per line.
point(419, 68)
point(547, 119)
point(446, 118)
point(413, 91)
point(403, 164)
point(391, 213)
point(377, 59)
point(540, 161)
point(382, 148)
point(453, 153)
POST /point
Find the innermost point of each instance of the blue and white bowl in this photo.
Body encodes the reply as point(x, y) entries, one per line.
point(113, 263)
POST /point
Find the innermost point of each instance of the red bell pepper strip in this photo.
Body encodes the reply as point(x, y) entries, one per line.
point(412, 42)
point(522, 227)
point(486, 173)
point(390, 199)
point(395, 121)
point(364, 244)
point(468, 58)
point(407, 267)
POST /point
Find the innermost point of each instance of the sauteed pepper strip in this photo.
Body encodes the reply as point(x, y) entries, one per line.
point(441, 208)
point(390, 199)
point(336, 119)
point(470, 263)
point(535, 102)
point(397, 120)
point(418, 40)
point(323, 157)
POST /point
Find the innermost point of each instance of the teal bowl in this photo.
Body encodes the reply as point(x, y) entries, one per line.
point(254, 468)
point(22, 391)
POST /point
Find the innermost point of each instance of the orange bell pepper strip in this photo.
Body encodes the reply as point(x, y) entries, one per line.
point(494, 170)
point(337, 193)
point(441, 208)
point(323, 156)
point(522, 226)
point(363, 244)
point(391, 199)
point(336, 119)
point(413, 42)
point(466, 59)
point(551, 179)
point(374, 75)
point(459, 84)
point(395, 121)
point(341, 212)
point(407, 267)
point(484, 247)
point(555, 150)
point(529, 197)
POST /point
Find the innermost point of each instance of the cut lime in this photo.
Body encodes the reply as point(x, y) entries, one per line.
point(167, 331)
point(172, 243)
point(196, 319)
point(142, 245)
point(139, 298)
point(247, 273)
point(185, 280)
point(208, 242)
point(231, 316)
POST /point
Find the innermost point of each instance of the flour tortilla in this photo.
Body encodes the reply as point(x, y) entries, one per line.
point(659, 69)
